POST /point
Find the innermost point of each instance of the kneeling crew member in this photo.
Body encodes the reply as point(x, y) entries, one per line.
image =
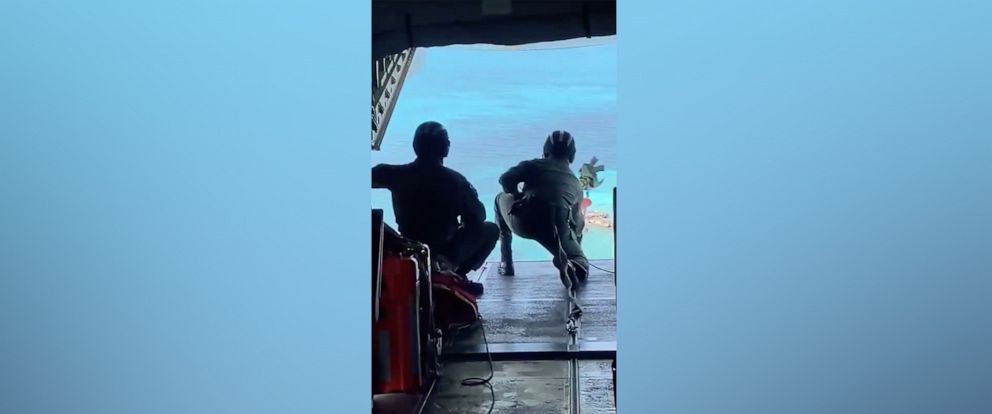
point(547, 210)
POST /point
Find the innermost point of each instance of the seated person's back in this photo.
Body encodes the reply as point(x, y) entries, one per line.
point(428, 199)
point(436, 205)
point(547, 180)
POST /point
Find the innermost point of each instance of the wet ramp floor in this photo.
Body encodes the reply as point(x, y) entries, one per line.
point(536, 361)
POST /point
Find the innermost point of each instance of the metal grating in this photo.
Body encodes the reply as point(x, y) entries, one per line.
point(388, 75)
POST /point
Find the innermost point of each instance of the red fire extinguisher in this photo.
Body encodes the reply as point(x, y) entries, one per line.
point(396, 336)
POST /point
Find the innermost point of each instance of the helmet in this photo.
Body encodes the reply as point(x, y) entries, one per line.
point(560, 144)
point(431, 140)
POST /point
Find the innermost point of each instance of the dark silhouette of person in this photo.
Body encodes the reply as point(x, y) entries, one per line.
point(436, 205)
point(547, 209)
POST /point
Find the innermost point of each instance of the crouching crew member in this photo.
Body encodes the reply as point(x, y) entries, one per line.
point(547, 209)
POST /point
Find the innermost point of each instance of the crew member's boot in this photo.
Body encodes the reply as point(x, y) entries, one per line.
point(506, 255)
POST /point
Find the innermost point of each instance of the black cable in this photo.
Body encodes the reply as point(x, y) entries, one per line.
point(600, 268)
point(576, 310)
point(474, 382)
point(562, 255)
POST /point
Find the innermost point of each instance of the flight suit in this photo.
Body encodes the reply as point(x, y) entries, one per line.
point(550, 199)
point(437, 206)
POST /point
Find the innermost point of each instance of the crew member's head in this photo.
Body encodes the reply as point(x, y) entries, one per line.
point(430, 142)
point(560, 145)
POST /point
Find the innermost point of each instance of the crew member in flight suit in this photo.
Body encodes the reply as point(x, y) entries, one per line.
point(547, 209)
point(436, 205)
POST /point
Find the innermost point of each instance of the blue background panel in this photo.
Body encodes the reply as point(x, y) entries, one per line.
point(809, 228)
point(177, 223)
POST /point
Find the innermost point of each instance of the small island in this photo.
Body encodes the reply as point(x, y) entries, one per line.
point(598, 219)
